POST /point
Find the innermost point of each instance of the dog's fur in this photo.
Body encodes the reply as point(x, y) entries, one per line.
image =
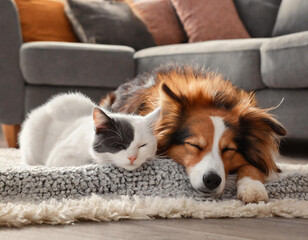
point(207, 125)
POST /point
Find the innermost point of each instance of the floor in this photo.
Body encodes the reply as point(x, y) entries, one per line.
point(226, 229)
point(233, 229)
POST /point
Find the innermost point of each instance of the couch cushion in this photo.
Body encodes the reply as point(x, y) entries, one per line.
point(292, 17)
point(161, 20)
point(76, 64)
point(238, 60)
point(44, 21)
point(108, 22)
point(292, 112)
point(11, 80)
point(284, 61)
point(205, 20)
point(258, 16)
point(37, 95)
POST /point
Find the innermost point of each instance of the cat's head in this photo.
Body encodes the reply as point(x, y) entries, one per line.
point(124, 140)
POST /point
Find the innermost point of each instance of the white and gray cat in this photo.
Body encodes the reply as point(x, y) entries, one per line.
point(70, 130)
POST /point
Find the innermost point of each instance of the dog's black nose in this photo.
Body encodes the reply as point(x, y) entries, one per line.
point(211, 180)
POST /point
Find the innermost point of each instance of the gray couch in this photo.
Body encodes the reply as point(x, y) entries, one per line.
point(275, 67)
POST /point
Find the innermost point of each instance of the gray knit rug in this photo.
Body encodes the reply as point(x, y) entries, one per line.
point(159, 189)
point(158, 177)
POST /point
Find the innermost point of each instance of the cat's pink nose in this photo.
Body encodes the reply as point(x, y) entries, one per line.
point(132, 159)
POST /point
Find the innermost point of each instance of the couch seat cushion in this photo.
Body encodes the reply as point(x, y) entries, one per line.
point(76, 64)
point(238, 60)
point(284, 61)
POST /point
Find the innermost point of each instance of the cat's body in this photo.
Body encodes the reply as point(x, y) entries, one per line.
point(70, 130)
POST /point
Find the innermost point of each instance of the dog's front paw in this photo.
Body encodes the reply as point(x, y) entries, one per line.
point(249, 190)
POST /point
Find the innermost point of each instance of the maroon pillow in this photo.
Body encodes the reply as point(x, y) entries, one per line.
point(161, 20)
point(210, 19)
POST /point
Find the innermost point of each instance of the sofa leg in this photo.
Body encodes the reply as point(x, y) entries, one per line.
point(11, 135)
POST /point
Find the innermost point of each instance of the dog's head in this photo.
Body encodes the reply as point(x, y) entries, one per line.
point(212, 128)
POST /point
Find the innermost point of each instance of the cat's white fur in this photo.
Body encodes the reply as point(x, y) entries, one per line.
point(61, 133)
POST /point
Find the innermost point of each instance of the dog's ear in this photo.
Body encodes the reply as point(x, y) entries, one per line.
point(275, 125)
point(171, 102)
point(262, 120)
point(170, 93)
point(172, 112)
point(258, 138)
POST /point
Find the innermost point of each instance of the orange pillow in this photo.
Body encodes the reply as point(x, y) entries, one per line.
point(44, 20)
point(210, 19)
point(161, 20)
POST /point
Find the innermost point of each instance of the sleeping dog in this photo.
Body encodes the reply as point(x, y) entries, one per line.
point(207, 125)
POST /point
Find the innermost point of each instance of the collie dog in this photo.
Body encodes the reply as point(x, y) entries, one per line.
point(207, 125)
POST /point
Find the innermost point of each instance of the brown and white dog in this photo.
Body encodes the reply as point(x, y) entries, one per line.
point(207, 125)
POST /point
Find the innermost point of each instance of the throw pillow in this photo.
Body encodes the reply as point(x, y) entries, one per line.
point(44, 21)
point(161, 20)
point(108, 22)
point(258, 16)
point(210, 19)
point(292, 17)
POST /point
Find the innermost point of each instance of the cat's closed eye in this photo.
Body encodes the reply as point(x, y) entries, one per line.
point(143, 145)
point(120, 146)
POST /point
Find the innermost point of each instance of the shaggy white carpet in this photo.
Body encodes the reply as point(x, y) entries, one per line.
point(101, 208)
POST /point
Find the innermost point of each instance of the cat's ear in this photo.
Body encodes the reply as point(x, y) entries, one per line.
point(101, 119)
point(152, 117)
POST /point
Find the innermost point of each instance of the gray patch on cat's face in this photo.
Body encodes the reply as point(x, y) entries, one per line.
point(116, 137)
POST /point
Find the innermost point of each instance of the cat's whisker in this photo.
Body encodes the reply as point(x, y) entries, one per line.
point(101, 142)
point(119, 133)
point(110, 130)
point(164, 149)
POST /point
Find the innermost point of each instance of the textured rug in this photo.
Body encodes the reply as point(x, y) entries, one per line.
point(160, 188)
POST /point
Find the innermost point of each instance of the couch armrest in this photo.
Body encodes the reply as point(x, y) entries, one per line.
point(11, 81)
point(284, 61)
point(76, 64)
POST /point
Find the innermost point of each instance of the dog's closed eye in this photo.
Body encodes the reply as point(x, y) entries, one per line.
point(194, 145)
point(226, 149)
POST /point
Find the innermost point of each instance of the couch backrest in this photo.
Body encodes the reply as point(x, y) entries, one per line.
point(258, 16)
